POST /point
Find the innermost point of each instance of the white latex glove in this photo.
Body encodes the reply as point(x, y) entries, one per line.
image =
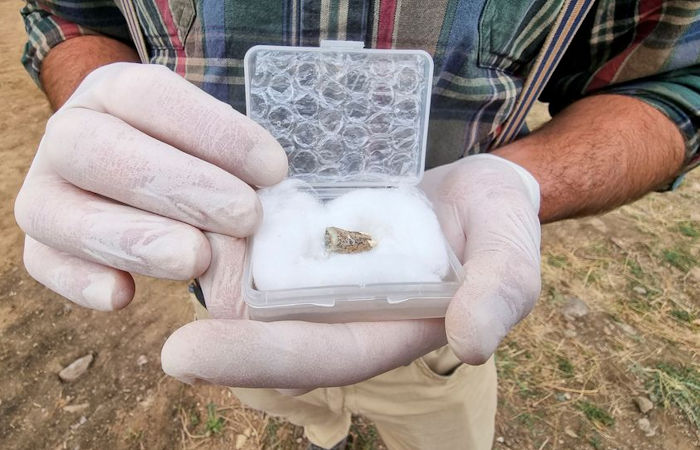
point(129, 171)
point(488, 209)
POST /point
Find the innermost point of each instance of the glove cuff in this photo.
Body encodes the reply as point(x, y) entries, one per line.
point(531, 184)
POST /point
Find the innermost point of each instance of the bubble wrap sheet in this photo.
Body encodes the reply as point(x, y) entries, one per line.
point(355, 117)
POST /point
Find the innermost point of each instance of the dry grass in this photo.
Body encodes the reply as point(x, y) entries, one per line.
point(637, 270)
point(208, 425)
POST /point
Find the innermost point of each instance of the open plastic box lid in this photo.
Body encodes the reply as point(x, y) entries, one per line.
point(345, 115)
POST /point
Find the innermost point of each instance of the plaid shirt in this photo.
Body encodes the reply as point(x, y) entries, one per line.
point(482, 49)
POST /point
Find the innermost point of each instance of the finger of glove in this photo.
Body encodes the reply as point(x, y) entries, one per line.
point(113, 159)
point(83, 282)
point(295, 355)
point(221, 283)
point(91, 227)
point(502, 280)
point(165, 106)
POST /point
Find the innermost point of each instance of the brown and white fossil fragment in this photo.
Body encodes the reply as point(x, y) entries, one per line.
point(344, 241)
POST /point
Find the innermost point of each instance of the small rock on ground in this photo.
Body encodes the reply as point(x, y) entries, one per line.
point(627, 328)
point(599, 225)
point(645, 426)
point(142, 360)
point(240, 440)
point(639, 290)
point(569, 432)
point(694, 273)
point(644, 404)
point(76, 368)
point(78, 423)
point(574, 308)
point(76, 408)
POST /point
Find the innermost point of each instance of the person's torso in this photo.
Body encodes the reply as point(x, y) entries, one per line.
point(481, 48)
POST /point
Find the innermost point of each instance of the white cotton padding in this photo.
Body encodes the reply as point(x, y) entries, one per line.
point(289, 250)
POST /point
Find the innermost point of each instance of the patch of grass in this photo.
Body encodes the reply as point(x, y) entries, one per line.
point(639, 305)
point(558, 261)
point(557, 297)
point(195, 418)
point(504, 364)
point(281, 435)
point(270, 438)
point(681, 315)
point(678, 386)
point(589, 275)
point(598, 248)
point(634, 268)
point(679, 258)
point(134, 437)
point(595, 442)
point(689, 228)
point(363, 436)
point(565, 367)
point(596, 414)
point(527, 419)
point(215, 423)
point(524, 390)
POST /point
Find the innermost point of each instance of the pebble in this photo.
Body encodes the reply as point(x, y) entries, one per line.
point(694, 273)
point(500, 440)
point(240, 440)
point(569, 432)
point(76, 368)
point(142, 360)
point(76, 408)
point(645, 426)
point(599, 225)
point(565, 397)
point(639, 290)
point(627, 328)
point(619, 242)
point(78, 423)
point(644, 404)
point(574, 308)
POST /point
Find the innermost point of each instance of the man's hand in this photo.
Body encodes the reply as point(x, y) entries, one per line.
point(488, 209)
point(129, 171)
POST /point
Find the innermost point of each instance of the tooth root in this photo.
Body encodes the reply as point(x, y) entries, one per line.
point(343, 241)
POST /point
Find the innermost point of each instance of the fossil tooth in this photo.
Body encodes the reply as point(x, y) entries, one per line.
point(343, 241)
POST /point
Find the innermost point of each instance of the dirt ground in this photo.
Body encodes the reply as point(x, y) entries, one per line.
point(565, 382)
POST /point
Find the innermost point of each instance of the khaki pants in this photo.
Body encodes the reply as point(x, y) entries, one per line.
point(436, 402)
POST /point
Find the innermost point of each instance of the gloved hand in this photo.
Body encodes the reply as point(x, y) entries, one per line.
point(488, 209)
point(129, 171)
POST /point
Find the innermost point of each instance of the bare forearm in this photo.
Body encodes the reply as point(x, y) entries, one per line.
point(599, 153)
point(69, 62)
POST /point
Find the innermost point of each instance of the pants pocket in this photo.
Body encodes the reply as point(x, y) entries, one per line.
point(440, 365)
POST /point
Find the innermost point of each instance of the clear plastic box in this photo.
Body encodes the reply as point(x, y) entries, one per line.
point(348, 118)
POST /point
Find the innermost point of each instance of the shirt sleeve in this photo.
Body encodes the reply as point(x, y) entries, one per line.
point(649, 50)
point(50, 22)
